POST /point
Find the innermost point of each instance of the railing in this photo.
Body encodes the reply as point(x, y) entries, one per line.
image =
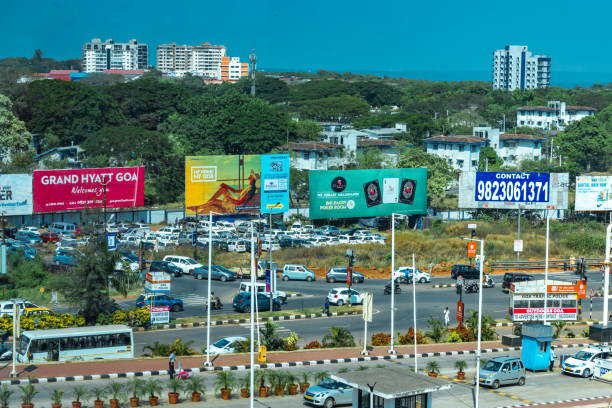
point(562, 264)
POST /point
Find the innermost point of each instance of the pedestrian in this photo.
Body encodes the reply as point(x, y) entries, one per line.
point(446, 317)
point(171, 363)
point(572, 261)
point(552, 359)
point(326, 307)
point(431, 265)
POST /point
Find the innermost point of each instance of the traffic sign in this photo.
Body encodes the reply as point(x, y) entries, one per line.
point(367, 307)
point(194, 239)
point(111, 241)
point(460, 311)
point(518, 245)
point(471, 249)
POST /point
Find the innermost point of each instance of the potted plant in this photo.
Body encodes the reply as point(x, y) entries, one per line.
point(245, 385)
point(320, 376)
point(292, 386)
point(99, 393)
point(281, 383)
point(56, 397)
point(225, 382)
point(175, 386)
point(304, 383)
point(433, 368)
point(29, 392)
point(273, 380)
point(135, 387)
point(78, 392)
point(152, 387)
point(5, 395)
point(195, 385)
point(460, 365)
point(260, 377)
point(115, 390)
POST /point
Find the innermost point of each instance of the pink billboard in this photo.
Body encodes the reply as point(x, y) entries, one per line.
point(76, 189)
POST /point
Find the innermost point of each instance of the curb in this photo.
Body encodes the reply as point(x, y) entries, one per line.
point(277, 365)
point(241, 321)
point(535, 404)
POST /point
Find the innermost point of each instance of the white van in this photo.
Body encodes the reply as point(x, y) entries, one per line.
point(261, 288)
point(64, 228)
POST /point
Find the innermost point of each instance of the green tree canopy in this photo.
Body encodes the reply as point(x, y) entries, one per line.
point(14, 137)
point(587, 144)
point(439, 174)
point(345, 108)
point(488, 159)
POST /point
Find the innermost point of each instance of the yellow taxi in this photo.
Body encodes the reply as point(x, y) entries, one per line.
point(37, 311)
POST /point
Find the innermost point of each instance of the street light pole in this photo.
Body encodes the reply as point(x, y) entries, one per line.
point(392, 349)
point(252, 320)
point(272, 273)
point(210, 215)
point(414, 311)
point(607, 276)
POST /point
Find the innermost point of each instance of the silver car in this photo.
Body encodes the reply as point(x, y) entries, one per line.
point(328, 393)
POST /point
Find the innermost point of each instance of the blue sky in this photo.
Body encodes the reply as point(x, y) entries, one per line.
point(437, 39)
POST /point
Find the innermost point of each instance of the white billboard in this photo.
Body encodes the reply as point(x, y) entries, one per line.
point(593, 193)
point(16, 194)
point(513, 190)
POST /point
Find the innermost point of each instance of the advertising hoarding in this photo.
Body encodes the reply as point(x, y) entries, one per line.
point(593, 193)
point(160, 314)
point(511, 190)
point(76, 189)
point(157, 282)
point(233, 184)
point(16, 194)
point(367, 193)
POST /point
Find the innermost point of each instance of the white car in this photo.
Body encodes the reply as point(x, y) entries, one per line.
point(265, 246)
point(371, 239)
point(30, 229)
point(184, 263)
point(6, 307)
point(319, 242)
point(225, 345)
point(583, 362)
point(340, 296)
point(236, 246)
point(343, 239)
point(405, 273)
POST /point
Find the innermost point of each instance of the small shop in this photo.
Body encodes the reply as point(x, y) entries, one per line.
point(527, 300)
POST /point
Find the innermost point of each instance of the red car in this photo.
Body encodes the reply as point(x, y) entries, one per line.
point(49, 236)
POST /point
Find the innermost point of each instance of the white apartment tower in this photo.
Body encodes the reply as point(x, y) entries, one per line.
point(98, 55)
point(515, 68)
point(203, 60)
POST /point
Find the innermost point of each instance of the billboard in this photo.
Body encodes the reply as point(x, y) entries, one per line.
point(76, 189)
point(511, 190)
point(16, 194)
point(593, 193)
point(367, 193)
point(233, 184)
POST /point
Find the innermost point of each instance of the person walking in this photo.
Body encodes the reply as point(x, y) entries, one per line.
point(572, 262)
point(326, 307)
point(446, 317)
point(552, 359)
point(171, 363)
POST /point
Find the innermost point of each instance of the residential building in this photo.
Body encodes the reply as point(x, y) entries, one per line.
point(556, 115)
point(98, 55)
point(512, 148)
point(232, 69)
point(516, 68)
point(461, 152)
point(315, 155)
point(336, 133)
point(376, 132)
point(73, 155)
point(389, 149)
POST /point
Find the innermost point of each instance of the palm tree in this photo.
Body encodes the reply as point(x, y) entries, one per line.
point(320, 376)
point(224, 380)
point(558, 326)
point(338, 337)
point(437, 329)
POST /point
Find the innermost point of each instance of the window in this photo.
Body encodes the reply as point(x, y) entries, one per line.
point(306, 155)
point(473, 148)
point(435, 146)
point(461, 147)
point(474, 163)
point(543, 345)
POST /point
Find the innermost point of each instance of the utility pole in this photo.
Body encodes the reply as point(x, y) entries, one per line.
point(104, 184)
point(253, 59)
point(504, 123)
point(552, 142)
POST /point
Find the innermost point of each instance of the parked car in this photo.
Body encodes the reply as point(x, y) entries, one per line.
point(64, 228)
point(19, 247)
point(36, 312)
point(155, 300)
point(330, 230)
point(236, 246)
point(217, 272)
point(297, 272)
point(338, 274)
point(502, 371)
point(466, 271)
point(265, 246)
point(165, 266)
point(583, 362)
point(134, 266)
point(225, 345)
point(261, 288)
point(184, 263)
point(405, 273)
point(49, 236)
point(66, 256)
point(340, 296)
point(328, 393)
point(6, 306)
point(28, 237)
point(242, 302)
point(512, 277)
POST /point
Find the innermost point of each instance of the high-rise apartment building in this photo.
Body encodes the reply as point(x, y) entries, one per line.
point(98, 55)
point(515, 68)
point(209, 61)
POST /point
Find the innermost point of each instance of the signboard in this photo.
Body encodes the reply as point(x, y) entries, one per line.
point(76, 189)
point(472, 226)
point(367, 307)
point(472, 249)
point(504, 190)
point(111, 241)
point(581, 289)
point(160, 314)
point(157, 282)
point(194, 239)
point(518, 245)
point(3, 259)
point(562, 289)
point(593, 193)
point(530, 306)
point(367, 193)
point(268, 280)
point(460, 308)
point(275, 183)
point(16, 194)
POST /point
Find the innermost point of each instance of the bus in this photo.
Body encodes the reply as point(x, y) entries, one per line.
point(76, 343)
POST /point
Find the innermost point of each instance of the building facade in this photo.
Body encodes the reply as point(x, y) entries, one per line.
point(232, 69)
point(99, 56)
point(460, 152)
point(514, 67)
point(555, 116)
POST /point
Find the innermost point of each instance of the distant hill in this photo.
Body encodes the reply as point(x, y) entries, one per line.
point(38, 63)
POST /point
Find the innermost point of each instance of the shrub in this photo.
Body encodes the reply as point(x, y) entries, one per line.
point(381, 339)
point(313, 345)
point(463, 333)
point(291, 342)
point(408, 338)
point(454, 337)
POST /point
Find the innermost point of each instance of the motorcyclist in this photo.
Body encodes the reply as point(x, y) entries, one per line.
point(215, 302)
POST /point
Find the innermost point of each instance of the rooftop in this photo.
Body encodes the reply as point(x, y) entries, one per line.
point(507, 136)
point(536, 108)
point(375, 142)
point(456, 139)
point(392, 382)
point(382, 131)
point(312, 146)
point(583, 108)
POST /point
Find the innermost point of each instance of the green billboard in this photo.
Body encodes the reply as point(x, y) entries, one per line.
point(367, 193)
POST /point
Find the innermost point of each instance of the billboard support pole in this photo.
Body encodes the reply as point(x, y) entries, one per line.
point(518, 254)
point(414, 311)
point(546, 269)
point(210, 215)
point(606, 276)
point(252, 365)
point(392, 349)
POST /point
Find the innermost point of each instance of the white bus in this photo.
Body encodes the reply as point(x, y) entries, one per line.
point(76, 343)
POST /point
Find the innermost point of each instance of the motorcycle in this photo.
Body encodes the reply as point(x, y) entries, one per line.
point(215, 304)
point(488, 283)
point(471, 287)
point(398, 290)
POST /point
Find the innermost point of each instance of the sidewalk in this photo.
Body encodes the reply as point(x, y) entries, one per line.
point(71, 371)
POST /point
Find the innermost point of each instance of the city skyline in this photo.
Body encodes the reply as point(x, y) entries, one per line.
point(445, 41)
